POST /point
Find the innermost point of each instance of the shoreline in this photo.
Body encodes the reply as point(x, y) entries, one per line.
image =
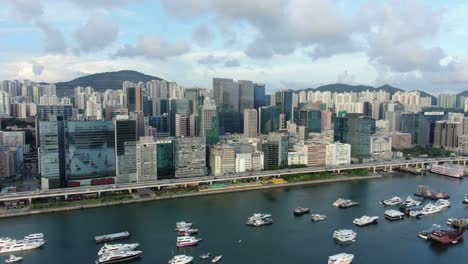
point(204, 192)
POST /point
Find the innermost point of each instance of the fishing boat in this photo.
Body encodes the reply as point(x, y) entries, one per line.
point(425, 192)
point(458, 223)
point(447, 236)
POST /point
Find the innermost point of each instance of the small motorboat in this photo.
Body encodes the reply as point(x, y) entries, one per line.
point(217, 259)
point(465, 200)
point(317, 217)
point(205, 256)
point(13, 258)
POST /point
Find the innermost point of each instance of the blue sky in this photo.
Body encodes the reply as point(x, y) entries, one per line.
point(411, 44)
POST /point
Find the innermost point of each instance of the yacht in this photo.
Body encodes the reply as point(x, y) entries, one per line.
point(187, 241)
point(443, 203)
point(301, 211)
point(416, 213)
point(425, 233)
point(430, 209)
point(366, 220)
point(183, 224)
point(205, 256)
point(318, 217)
point(4, 241)
point(217, 259)
point(118, 256)
point(344, 203)
point(181, 259)
point(13, 258)
point(21, 245)
point(392, 201)
point(394, 215)
point(409, 202)
point(344, 235)
point(187, 231)
point(112, 237)
point(465, 200)
point(38, 236)
point(341, 258)
point(260, 220)
point(114, 247)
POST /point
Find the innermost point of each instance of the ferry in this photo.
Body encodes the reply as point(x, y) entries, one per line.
point(365, 220)
point(187, 241)
point(258, 220)
point(450, 170)
point(344, 203)
point(301, 211)
point(425, 233)
point(465, 200)
point(447, 236)
point(318, 217)
point(181, 259)
point(344, 235)
point(13, 258)
point(425, 192)
point(392, 201)
point(112, 237)
point(217, 259)
point(341, 258)
point(118, 256)
point(21, 245)
point(114, 247)
point(394, 215)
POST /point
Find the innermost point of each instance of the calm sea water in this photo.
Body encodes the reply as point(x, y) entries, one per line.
point(221, 220)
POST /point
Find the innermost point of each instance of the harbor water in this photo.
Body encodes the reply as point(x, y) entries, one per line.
point(221, 220)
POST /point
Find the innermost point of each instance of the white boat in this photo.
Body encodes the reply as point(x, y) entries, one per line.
point(257, 220)
point(181, 259)
point(365, 220)
point(205, 256)
point(113, 247)
point(410, 202)
point(425, 233)
point(21, 245)
point(183, 224)
point(451, 170)
point(443, 203)
point(345, 235)
point(112, 237)
point(118, 256)
point(187, 241)
point(4, 241)
point(318, 217)
point(344, 203)
point(465, 200)
point(341, 258)
point(217, 259)
point(392, 201)
point(13, 258)
point(394, 215)
point(38, 236)
point(430, 209)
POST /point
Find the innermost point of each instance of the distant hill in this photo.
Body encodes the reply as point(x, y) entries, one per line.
point(103, 81)
point(464, 93)
point(343, 88)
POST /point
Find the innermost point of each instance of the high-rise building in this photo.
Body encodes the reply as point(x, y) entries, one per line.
point(270, 155)
point(222, 160)
point(246, 95)
point(195, 95)
point(134, 96)
point(447, 100)
point(311, 119)
point(338, 154)
point(284, 102)
point(4, 104)
point(269, 119)
point(190, 157)
point(259, 95)
point(165, 158)
point(250, 123)
point(208, 122)
point(146, 159)
point(227, 98)
point(316, 154)
point(180, 112)
point(52, 153)
point(45, 111)
point(446, 134)
point(182, 126)
point(356, 130)
point(125, 132)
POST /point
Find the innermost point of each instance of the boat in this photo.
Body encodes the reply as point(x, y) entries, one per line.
point(183, 224)
point(447, 236)
point(408, 203)
point(187, 231)
point(21, 245)
point(465, 200)
point(187, 241)
point(425, 233)
point(37, 236)
point(458, 223)
point(181, 259)
point(394, 215)
point(112, 237)
point(430, 209)
point(301, 211)
point(443, 203)
point(392, 201)
point(341, 258)
point(450, 170)
point(318, 217)
point(205, 256)
point(118, 256)
point(344, 235)
point(4, 241)
point(365, 220)
point(415, 213)
point(13, 258)
point(257, 220)
point(425, 192)
point(344, 203)
point(217, 259)
point(114, 247)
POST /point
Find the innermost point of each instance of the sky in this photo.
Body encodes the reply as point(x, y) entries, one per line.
point(296, 44)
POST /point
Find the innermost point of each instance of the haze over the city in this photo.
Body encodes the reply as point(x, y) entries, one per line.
point(293, 44)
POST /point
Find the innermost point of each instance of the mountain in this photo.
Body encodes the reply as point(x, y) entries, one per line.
point(103, 81)
point(464, 93)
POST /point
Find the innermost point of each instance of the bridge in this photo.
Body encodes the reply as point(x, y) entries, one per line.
point(258, 175)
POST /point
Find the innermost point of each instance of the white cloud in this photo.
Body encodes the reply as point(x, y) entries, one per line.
point(98, 33)
point(154, 47)
point(28, 9)
point(202, 34)
point(55, 42)
point(104, 3)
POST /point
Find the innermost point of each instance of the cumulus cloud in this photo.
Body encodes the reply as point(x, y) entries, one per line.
point(154, 47)
point(212, 60)
point(55, 42)
point(185, 9)
point(98, 33)
point(232, 63)
point(28, 9)
point(202, 34)
point(37, 69)
point(104, 3)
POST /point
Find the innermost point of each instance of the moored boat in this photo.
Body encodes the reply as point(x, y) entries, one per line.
point(425, 192)
point(217, 259)
point(318, 217)
point(465, 200)
point(458, 223)
point(365, 220)
point(181, 259)
point(118, 256)
point(183, 224)
point(392, 201)
point(301, 211)
point(450, 170)
point(116, 247)
point(187, 241)
point(112, 237)
point(205, 256)
point(344, 235)
point(341, 258)
point(187, 231)
point(13, 258)
point(430, 209)
point(393, 215)
point(425, 233)
point(447, 236)
point(345, 203)
point(409, 203)
point(21, 245)
point(258, 220)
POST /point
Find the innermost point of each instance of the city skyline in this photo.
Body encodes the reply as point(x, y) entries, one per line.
point(355, 43)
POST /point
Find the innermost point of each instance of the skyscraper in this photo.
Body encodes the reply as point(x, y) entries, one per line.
point(360, 132)
point(125, 132)
point(208, 125)
point(227, 97)
point(269, 119)
point(259, 95)
point(134, 99)
point(447, 100)
point(146, 159)
point(190, 157)
point(222, 160)
point(246, 95)
point(284, 102)
point(311, 119)
point(250, 123)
